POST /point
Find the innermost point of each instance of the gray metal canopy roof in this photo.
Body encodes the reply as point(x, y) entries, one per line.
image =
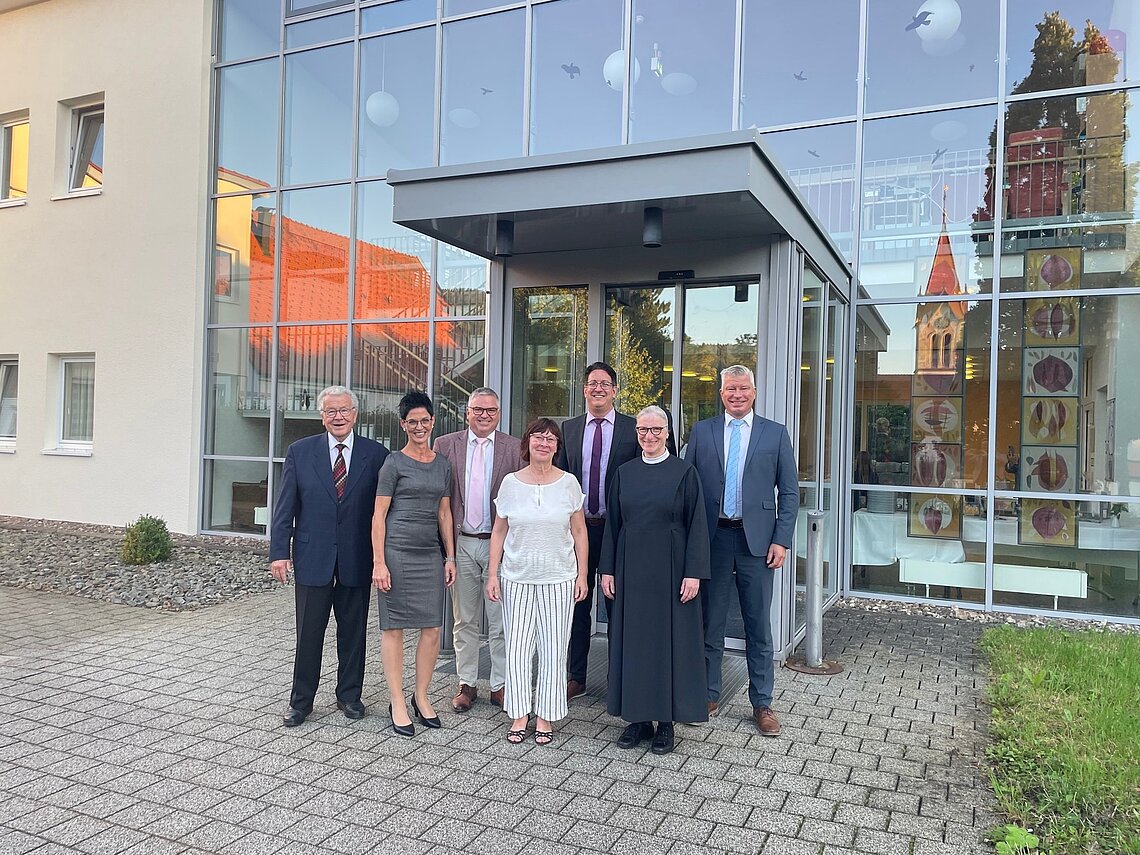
point(710, 188)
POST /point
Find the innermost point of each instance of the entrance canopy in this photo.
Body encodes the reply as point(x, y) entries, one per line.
point(720, 187)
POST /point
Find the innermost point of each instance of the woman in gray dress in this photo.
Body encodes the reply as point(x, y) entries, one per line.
point(413, 512)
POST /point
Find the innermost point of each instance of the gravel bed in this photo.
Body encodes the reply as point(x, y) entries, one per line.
point(83, 559)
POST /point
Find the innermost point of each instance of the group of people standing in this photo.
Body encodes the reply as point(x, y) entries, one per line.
point(526, 526)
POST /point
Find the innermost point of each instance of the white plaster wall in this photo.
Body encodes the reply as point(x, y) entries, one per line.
point(119, 274)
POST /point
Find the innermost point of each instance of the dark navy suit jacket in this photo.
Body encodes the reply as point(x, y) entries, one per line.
point(319, 532)
point(770, 492)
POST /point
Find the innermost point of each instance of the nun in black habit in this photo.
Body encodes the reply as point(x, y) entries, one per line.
point(655, 552)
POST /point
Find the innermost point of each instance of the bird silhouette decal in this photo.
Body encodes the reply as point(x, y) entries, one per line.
point(938, 152)
point(813, 152)
point(971, 66)
point(485, 90)
point(800, 76)
point(922, 19)
point(572, 70)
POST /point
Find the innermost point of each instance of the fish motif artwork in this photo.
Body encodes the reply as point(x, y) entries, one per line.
point(1049, 421)
point(937, 418)
point(1053, 470)
point(1052, 321)
point(934, 464)
point(1050, 370)
point(933, 515)
point(1056, 269)
point(1047, 522)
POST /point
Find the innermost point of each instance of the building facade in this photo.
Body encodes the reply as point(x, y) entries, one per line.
point(961, 413)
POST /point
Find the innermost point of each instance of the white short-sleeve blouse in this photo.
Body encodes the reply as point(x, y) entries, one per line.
point(539, 549)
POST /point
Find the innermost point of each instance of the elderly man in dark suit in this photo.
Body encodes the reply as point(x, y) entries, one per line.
point(751, 491)
point(322, 531)
point(480, 456)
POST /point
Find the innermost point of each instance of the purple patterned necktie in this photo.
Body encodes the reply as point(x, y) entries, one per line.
point(596, 469)
point(340, 471)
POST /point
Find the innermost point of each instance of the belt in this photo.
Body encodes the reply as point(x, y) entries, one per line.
point(479, 535)
point(595, 520)
point(724, 522)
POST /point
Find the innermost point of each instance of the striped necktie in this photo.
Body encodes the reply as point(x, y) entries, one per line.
point(732, 473)
point(340, 470)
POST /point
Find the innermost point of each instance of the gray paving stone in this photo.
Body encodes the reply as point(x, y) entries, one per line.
point(777, 845)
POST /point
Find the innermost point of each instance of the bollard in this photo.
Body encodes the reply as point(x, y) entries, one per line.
point(813, 662)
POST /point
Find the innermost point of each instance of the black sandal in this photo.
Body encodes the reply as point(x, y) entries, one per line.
point(543, 737)
point(515, 737)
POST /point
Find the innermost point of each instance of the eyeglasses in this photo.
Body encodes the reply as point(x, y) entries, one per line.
point(544, 438)
point(483, 411)
point(337, 411)
point(599, 384)
point(418, 423)
point(642, 431)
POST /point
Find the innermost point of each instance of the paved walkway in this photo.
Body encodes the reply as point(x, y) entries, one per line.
point(125, 730)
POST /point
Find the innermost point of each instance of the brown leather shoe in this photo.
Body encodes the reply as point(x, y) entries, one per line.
point(574, 688)
point(497, 697)
point(713, 707)
point(464, 698)
point(766, 721)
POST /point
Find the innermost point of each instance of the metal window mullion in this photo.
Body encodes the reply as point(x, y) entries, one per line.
point(437, 131)
point(528, 62)
point(738, 66)
point(680, 293)
point(995, 304)
point(353, 204)
point(627, 44)
point(207, 267)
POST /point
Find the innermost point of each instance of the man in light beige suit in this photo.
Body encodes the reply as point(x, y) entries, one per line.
point(480, 458)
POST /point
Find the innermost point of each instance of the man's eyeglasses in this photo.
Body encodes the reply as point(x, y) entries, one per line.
point(337, 411)
point(483, 411)
point(599, 384)
point(415, 423)
point(642, 431)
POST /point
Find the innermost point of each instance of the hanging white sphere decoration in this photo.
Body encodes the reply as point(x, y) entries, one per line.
point(464, 118)
point(613, 70)
point(945, 16)
point(382, 108)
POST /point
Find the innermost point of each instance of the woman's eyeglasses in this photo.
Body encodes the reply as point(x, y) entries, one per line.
point(642, 431)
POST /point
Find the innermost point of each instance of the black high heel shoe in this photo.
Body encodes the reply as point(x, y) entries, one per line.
point(432, 722)
point(408, 729)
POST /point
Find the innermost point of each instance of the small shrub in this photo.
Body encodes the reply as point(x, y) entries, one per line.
point(147, 540)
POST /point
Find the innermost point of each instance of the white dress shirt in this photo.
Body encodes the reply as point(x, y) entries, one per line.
point(347, 449)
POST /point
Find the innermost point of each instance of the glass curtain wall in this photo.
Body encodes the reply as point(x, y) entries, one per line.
point(974, 161)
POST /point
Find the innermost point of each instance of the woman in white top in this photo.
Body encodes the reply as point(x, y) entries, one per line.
point(538, 569)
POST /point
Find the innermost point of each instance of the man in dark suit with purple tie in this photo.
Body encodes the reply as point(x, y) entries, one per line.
point(322, 531)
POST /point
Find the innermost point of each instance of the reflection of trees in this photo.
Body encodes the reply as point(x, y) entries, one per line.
point(639, 346)
point(1064, 155)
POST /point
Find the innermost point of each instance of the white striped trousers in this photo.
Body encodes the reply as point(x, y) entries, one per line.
point(537, 617)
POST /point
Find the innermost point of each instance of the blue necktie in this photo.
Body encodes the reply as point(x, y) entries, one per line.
point(731, 474)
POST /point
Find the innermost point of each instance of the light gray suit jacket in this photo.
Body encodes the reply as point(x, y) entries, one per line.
point(507, 459)
point(770, 492)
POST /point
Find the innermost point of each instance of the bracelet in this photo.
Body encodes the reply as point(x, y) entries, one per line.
point(447, 558)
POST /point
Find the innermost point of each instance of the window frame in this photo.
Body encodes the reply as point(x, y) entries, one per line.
point(10, 365)
point(81, 118)
point(7, 126)
point(63, 441)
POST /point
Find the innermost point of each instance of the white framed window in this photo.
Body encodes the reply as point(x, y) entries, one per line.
point(77, 401)
point(85, 170)
point(9, 388)
point(14, 158)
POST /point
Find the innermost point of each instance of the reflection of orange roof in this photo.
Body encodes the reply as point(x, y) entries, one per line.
point(943, 280)
point(389, 283)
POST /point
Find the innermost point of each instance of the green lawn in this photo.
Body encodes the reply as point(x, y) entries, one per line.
point(1065, 758)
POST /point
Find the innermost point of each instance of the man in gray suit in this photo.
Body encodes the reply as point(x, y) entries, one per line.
point(751, 489)
point(480, 458)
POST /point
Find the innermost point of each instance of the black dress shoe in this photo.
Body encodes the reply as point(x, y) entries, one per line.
point(432, 722)
point(635, 734)
point(402, 729)
point(294, 717)
point(663, 741)
point(351, 709)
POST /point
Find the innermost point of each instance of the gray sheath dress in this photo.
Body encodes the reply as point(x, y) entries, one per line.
point(411, 541)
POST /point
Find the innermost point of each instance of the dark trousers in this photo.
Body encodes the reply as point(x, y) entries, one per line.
point(313, 606)
point(581, 625)
point(734, 566)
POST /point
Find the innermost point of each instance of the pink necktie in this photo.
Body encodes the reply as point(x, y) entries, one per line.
point(475, 487)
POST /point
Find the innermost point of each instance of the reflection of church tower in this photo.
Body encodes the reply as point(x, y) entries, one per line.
point(939, 328)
